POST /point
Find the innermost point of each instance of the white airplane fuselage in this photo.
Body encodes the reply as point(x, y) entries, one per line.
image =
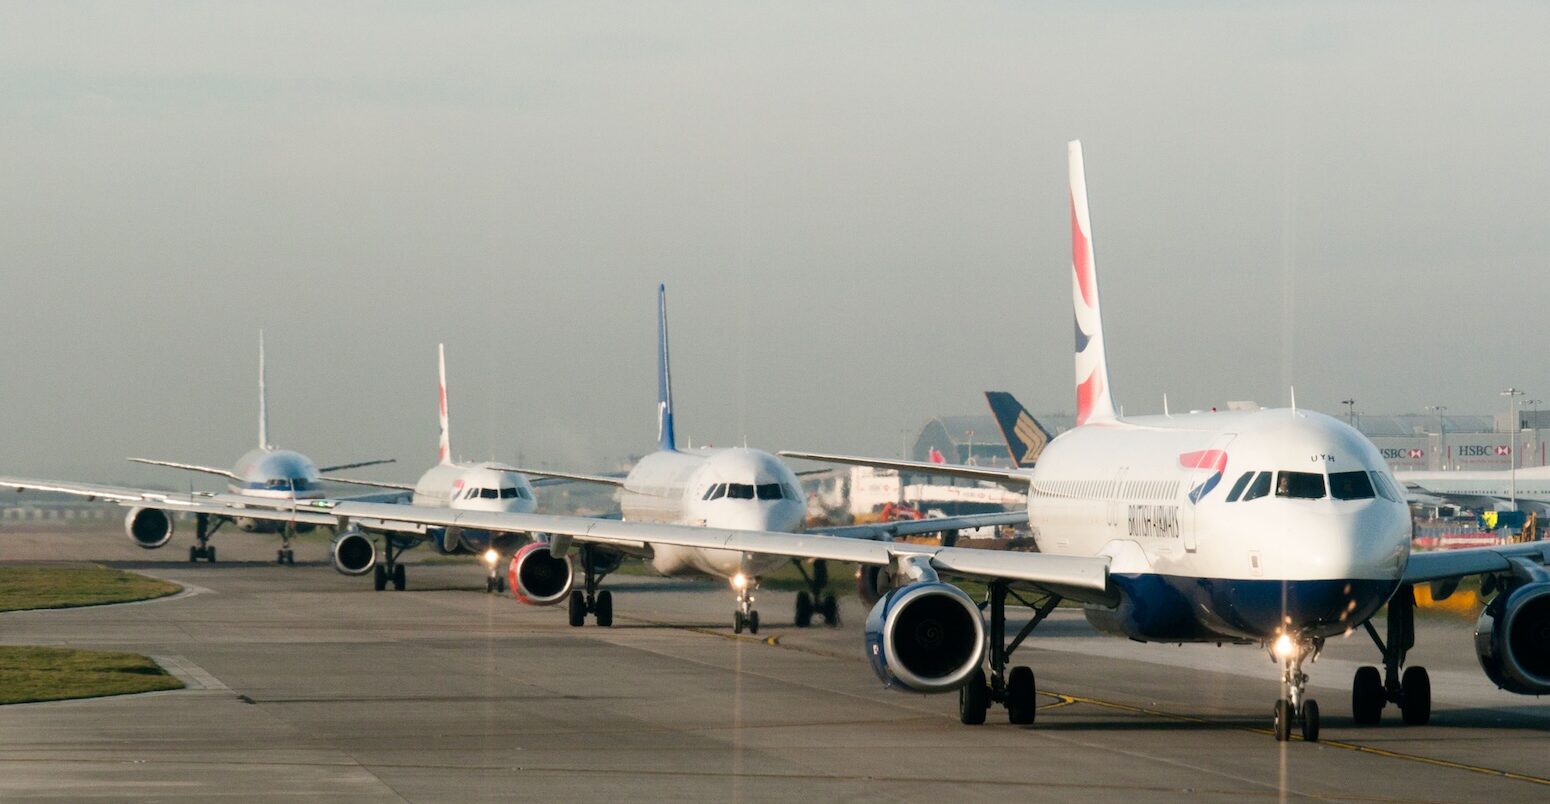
point(474, 487)
point(1153, 494)
point(680, 487)
point(1494, 489)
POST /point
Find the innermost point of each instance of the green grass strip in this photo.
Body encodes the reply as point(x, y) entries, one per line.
point(30, 674)
point(57, 587)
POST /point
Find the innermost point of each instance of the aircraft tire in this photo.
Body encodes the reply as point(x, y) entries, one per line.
point(1367, 696)
point(804, 616)
point(1021, 697)
point(603, 612)
point(399, 578)
point(830, 611)
point(578, 609)
point(737, 622)
point(1310, 721)
point(1415, 696)
point(1283, 721)
point(379, 579)
point(753, 622)
point(973, 700)
point(193, 554)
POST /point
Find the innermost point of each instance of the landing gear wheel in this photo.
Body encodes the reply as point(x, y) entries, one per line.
point(737, 622)
point(500, 585)
point(753, 622)
point(973, 700)
point(379, 578)
point(1283, 721)
point(603, 610)
point(193, 553)
point(578, 609)
point(1020, 697)
point(489, 585)
point(1310, 721)
point(1367, 696)
point(830, 611)
point(398, 578)
point(1415, 696)
point(804, 610)
point(210, 555)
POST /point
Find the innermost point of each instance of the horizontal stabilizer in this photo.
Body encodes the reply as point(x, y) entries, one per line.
point(189, 467)
point(343, 466)
point(1017, 478)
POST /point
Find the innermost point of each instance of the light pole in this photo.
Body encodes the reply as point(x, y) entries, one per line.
point(1512, 395)
point(1442, 445)
point(970, 460)
point(1534, 420)
point(1350, 411)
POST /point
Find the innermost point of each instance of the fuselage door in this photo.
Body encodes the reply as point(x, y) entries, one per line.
point(1205, 471)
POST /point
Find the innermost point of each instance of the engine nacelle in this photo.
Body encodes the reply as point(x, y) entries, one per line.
point(1512, 640)
point(925, 637)
point(148, 527)
point(353, 552)
point(537, 578)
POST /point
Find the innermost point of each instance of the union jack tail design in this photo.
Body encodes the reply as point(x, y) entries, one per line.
point(1094, 401)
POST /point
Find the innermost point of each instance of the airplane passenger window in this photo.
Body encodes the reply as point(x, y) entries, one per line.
point(1238, 487)
point(508, 493)
point(1350, 486)
point(1300, 485)
point(489, 494)
point(740, 491)
point(1259, 488)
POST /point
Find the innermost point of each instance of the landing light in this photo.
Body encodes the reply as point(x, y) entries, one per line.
point(490, 557)
point(739, 581)
point(1285, 648)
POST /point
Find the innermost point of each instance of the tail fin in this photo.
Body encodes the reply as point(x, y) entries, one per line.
point(263, 398)
point(1025, 437)
point(444, 452)
point(665, 437)
point(1094, 399)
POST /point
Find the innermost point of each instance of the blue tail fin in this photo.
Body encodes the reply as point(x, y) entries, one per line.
point(1025, 437)
point(665, 437)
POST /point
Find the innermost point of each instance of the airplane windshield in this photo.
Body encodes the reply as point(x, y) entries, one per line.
point(769, 491)
point(740, 491)
point(489, 494)
point(1300, 485)
point(1259, 488)
point(1238, 487)
point(1350, 486)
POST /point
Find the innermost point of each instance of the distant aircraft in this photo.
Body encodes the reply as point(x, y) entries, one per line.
point(1485, 490)
point(460, 486)
point(1025, 437)
point(736, 488)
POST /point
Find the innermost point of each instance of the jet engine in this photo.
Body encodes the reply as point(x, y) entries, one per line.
point(925, 637)
point(354, 554)
point(1512, 639)
point(148, 527)
point(537, 578)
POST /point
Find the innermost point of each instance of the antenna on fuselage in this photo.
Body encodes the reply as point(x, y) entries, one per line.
point(263, 398)
point(665, 438)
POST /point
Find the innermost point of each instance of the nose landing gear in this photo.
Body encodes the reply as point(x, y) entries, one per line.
point(745, 617)
point(1294, 707)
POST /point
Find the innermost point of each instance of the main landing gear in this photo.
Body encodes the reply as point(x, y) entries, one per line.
point(589, 600)
point(389, 569)
point(286, 555)
point(816, 599)
point(1410, 690)
point(744, 616)
point(1017, 689)
point(1294, 707)
point(202, 533)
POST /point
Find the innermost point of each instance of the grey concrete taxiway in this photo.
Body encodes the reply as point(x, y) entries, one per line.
point(304, 684)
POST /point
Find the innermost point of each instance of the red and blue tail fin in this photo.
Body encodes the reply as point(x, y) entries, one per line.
point(1094, 399)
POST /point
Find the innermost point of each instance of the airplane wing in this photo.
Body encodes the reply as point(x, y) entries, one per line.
point(372, 483)
point(1442, 565)
point(911, 527)
point(357, 465)
point(1011, 477)
point(1089, 574)
point(577, 477)
point(192, 467)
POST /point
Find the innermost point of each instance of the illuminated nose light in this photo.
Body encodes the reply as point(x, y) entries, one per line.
point(1284, 647)
point(740, 581)
point(490, 557)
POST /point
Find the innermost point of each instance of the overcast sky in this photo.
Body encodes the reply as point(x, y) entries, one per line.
point(859, 212)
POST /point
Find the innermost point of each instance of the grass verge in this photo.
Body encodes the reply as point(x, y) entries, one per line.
point(29, 674)
point(57, 587)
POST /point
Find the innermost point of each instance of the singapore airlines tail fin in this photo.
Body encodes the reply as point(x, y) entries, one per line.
point(665, 437)
point(263, 398)
point(1094, 400)
point(1025, 437)
point(444, 449)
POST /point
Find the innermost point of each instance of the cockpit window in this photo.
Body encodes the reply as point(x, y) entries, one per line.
point(1350, 486)
point(1259, 488)
point(1300, 485)
point(740, 491)
point(769, 491)
point(719, 491)
point(1385, 490)
point(1238, 487)
point(489, 494)
point(509, 493)
point(791, 493)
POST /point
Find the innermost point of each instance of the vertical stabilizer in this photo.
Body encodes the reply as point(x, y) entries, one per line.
point(1025, 437)
point(263, 398)
point(665, 438)
point(1094, 400)
point(444, 450)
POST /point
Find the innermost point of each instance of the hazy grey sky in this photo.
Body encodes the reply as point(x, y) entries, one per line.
point(859, 211)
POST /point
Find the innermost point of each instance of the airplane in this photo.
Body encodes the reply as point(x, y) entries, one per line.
point(1495, 489)
point(738, 488)
point(1025, 437)
point(487, 486)
point(263, 476)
